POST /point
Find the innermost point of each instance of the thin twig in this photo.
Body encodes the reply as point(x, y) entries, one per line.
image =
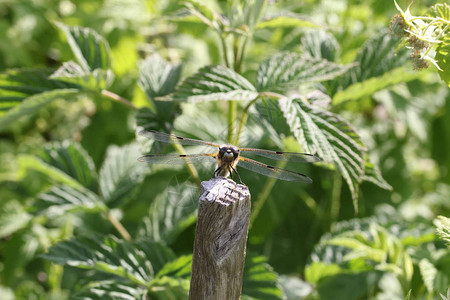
point(191, 168)
point(119, 227)
point(118, 98)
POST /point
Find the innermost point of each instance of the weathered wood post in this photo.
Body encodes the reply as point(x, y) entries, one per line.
point(220, 240)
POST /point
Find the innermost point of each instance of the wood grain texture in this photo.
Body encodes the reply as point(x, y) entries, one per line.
point(220, 240)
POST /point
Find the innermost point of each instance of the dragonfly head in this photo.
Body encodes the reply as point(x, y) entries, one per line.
point(228, 153)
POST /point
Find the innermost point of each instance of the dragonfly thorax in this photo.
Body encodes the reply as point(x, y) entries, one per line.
point(228, 153)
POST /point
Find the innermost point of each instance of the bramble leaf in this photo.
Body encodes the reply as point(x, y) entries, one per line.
point(90, 49)
point(330, 137)
point(121, 174)
point(214, 83)
point(285, 71)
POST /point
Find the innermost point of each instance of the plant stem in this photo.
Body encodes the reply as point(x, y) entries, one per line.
point(244, 114)
point(262, 197)
point(117, 98)
point(224, 50)
point(119, 227)
point(232, 112)
point(191, 168)
point(335, 199)
point(240, 54)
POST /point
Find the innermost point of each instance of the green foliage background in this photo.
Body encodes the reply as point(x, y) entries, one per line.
point(81, 218)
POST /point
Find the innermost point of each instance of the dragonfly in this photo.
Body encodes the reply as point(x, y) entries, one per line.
point(227, 157)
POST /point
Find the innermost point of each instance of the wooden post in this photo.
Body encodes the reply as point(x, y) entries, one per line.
point(220, 240)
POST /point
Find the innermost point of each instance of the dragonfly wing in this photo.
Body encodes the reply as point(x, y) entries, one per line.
point(271, 171)
point(283, 156)
point(173, 139)
point(177, 159)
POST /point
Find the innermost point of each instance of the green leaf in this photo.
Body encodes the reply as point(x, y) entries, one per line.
point(259, 280)
point(214, 83)
point(173, 280)
point(121, 174)
point(136, 262)
point(372, 174)
point(109, 290)
point(375, 58)
point(374, 84)
point(90, 49)
point(157, 77)
point(12, 218)
point(287, 70)
point(72, 72)
point(320, 44)
point(315, 271)
point(207, 15)
point(73, 160)
point(443, 59)
point(170, 213)
point(62, 199)
point(428, 272)
point(169, 288)
point(440, 10)
point(28, 162)
point(353, 286)
point(443, 228)
point(285, 19)
point(294, 288)
point(179, 268)
point(245, 15)
point(329, 136)
point(33, 104)
point(17, 85)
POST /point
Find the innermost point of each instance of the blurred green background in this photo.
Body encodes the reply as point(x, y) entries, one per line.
point(316, 246)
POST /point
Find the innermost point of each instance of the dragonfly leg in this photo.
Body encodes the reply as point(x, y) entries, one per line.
point(236, 172)
point(217, 171)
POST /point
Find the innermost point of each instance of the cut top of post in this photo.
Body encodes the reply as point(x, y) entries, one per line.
point(223, 190)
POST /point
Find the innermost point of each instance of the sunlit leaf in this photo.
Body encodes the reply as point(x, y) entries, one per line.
point(259, 281)
point(121, 174)
point(443, 59)
point(375, 58)
point(136, 262)
point(90, 49)
point(12, 218)
point(428, 272)
point(173, 280)
point(204, 13)
point(34, 103)
point(169, 288)
point(285, 19)
point(369, 86)
point(73, 160)
point(315, 271)
point(328, 136)
point(180, 268)
point(294, 288)
point(110, 290)
point(441, 10)
point(72, 72)
point(285, 71)
point(62, 199)
point(443, 228)
point(214, 83)
point(170, 213)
